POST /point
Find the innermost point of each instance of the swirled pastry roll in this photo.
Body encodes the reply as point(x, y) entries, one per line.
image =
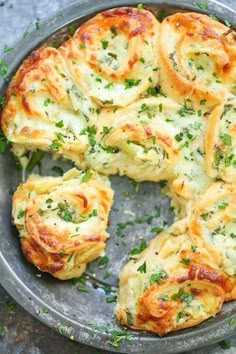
point(197, 57)
point(113, 55)
point(62, 221)
point(171, 285)
point(213, 225)
point(144, 140)
point(220, 142)
point(45, 110)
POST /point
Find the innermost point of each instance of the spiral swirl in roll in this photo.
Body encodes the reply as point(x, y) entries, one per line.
point(197, 57)
point(113, 55)
point(45, 109)
point(171, 285)
point(62, 221)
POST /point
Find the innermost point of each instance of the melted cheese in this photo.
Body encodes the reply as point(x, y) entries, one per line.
point(62, 221)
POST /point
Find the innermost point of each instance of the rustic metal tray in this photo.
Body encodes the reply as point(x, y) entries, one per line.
point(80, 310)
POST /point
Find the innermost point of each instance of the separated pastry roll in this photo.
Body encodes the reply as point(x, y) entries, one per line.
point(213, 226)
point(197, 57)
point(62, 221)
point(220, 142)
point(171, 285)
point(144, 140)
point(44, 109)
point(113, 55)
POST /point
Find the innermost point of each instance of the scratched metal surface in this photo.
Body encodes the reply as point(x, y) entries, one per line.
point(19, 331)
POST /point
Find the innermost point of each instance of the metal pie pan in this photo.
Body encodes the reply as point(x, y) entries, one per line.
point(86, 316)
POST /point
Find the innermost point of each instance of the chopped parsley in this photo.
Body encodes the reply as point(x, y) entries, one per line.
point(157, 229)
point(193, 248)
point(45, 309)
point(104, 43)
point(226, 139)
point(20, 214)
point(202, 5)
point(71, 30)
point(55, 145)
point(70, 257)
point(117, 336)
point(3, 101)
point(139, 6)
point(111, 299)
point(65, 211)
point(103, 261)
point(3, 70)
point(108, 86)
point(47, 101)
point(138, 250)
point(60, 137)
point(183, 296)
point(142, 268)
point(93, 213)
point(86, 176)
point(204, 216)
point(179, 137)
point(131, 83)
point(3, 142)
point(105, 130)
point(90, 131)
point(157, 277)
point(60, 124)
point(223, 205)
point(185, 261)
point(225, 344)
point(185, 110)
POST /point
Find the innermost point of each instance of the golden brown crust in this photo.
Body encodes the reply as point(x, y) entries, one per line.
point(180, 287)
point(44, 108)
point(197, 58)
point(62, 221)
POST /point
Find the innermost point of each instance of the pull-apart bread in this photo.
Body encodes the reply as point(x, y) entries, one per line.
point(62, 221)
point(153, 101)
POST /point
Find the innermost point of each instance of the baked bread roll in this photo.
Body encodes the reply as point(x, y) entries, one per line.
point(113, 55)
point(197, 57)
point(45, 110)
point(146, 140)
point(99, 100)
point(220, 142)
point(213, 225)
point(62, 221)
point(171, 285)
